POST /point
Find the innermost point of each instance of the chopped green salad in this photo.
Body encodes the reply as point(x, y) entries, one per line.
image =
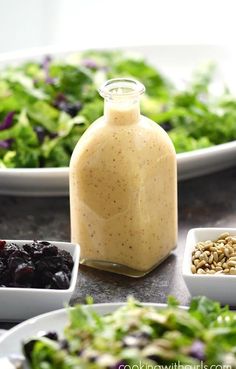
point(46, 106)
point(136, 336)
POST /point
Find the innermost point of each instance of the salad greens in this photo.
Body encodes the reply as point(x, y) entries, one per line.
point(46, 107)
point(140, 335)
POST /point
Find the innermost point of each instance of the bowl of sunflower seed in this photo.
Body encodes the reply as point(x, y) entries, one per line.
point(209, 264)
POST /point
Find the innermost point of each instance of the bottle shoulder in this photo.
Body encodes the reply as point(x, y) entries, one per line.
point(158, 131)
point(102, 138)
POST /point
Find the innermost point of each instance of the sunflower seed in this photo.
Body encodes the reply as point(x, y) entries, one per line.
point(193, 269)
point(226, 252)
point(201, 264)
point(223, 235)
point(210, 259)
point(215, 257)
point(232, 263)
point(221, 257)
point(201, 271)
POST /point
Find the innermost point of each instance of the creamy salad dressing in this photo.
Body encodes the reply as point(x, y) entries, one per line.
point(123, 190)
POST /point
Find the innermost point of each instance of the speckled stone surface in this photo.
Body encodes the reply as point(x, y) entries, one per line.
point(204, 201)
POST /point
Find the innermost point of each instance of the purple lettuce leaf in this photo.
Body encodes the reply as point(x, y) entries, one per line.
point(42, 133)
point(6, 144)
point(7, 121)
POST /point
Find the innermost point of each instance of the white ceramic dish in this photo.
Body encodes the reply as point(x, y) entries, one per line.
point(177, 62)
point(17, 304)
point(11, 341)
point(217, 287)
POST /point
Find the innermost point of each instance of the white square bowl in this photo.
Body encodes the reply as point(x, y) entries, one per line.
point(219, 287)
point(18, 304)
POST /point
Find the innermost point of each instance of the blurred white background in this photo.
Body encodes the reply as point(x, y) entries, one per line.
point(96, 23)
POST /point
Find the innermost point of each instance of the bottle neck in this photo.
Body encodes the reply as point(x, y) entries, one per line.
point(122, 112)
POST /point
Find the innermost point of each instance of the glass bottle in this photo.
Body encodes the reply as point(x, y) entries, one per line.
point(123, 186)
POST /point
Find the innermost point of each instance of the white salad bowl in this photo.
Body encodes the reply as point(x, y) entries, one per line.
point(11, 341)
point(177, 63)
point(18, 304)
point(219, 287)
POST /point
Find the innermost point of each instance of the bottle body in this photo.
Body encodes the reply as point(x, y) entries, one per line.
point(123, 194)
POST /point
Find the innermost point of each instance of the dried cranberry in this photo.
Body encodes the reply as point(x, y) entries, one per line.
point(36, 245)
point(5, 277)
point(29, 347)
point(55, 262)
point(24, 274)
point(2, 270)
point(9, 249)
point(50, 250)
point(42, 279)
point(61, 281)
point(38, 280)
point(44, 243)
point(20, 253)
point(2, 244)
point(30, 249)
point(68, 260)
point(14, 263)
point(50, 263)
point(37, 255)
point(41, 266)
point(51, 335)
point(64, 344)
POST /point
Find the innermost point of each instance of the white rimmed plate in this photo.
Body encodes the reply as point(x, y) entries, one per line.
point(11, 341)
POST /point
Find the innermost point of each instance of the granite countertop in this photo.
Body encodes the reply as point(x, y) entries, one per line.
point(204, 201)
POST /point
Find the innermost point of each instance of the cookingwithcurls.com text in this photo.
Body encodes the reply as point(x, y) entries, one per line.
point(174, 366)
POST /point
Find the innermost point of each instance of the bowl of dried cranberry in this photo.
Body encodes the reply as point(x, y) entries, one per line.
point(36, 277)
